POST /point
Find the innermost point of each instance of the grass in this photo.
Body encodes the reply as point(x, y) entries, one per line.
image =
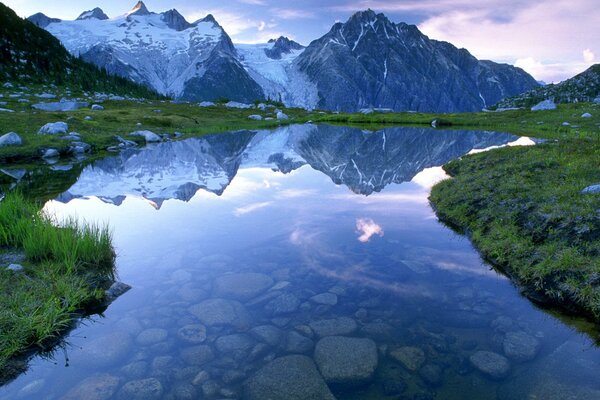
point(66, 269)
point(524, 210)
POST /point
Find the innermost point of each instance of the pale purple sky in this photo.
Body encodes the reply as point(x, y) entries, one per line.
point(552, 40)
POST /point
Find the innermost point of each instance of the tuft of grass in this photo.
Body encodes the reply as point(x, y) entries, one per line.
point(524, 210)
point(66, 270)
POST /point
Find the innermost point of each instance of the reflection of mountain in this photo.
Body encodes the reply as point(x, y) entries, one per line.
point(363, 161)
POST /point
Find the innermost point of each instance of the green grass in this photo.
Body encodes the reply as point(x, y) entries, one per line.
point(524, 210)
point(67, 268)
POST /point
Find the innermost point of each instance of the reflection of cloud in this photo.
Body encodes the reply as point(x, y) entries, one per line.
point(251, 208)
point(294, 193)
point(368, 227)
point(522, 141)
point(430, 176)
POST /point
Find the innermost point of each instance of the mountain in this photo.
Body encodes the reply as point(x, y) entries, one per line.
point(365, 162)
point(370, 61)
point(31, 54)
point(584, 87)
point(192, 61)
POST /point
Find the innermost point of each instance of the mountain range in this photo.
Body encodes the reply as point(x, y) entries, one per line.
point(366, 62)
point(364, 161)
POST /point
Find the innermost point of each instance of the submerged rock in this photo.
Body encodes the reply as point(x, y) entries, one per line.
point(98, 387)
point(214, 312)
point(151, 336)
point(242, 286)
point(104, 351)
point(194, 333)
point(287, 378)
point(345, 360)
point(298, 344)
point(283, 304)
point(329, 299)
point(143, 389)
point(412, 358)
point(491, 364)
point(520, 346)
point(334, 327)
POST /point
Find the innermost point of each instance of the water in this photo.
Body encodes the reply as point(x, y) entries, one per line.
point(301, 232)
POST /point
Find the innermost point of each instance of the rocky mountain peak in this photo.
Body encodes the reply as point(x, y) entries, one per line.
point(282, 45)
point(175, 20)
point(209, 18)
point(42, 20)
point(96, 13)
point(139, 9)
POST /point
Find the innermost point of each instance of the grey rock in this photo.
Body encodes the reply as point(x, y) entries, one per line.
point(255, 117)
point(79, 148)
point(97, 387)
point(241, 286)
point(520, 346)
point(345, 360)
point(591, 189)
point(283, 304)
point(287, 378)
point(143, 389)
point(281, 116)
point(10, 139)
point(149, 136)
point(298, 344)
point(88, 118)
point(329, 299)
point(268, 334)
point(60, 106)
point(6, 110)
point(206, 104)
point(334, 327)
point(15, 267)
point(215, 312)
point(54, 128)
point(50, 153)
point(117, 289)
point(97, 107)
point(235, 104)
point(412, 358)
point(152, 336)
point(544, 105)
point(194, 333)
point(491, 364)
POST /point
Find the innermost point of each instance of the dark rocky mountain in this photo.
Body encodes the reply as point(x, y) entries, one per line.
point(96, 13)
point(29, 54)
point(282, 45)
point(42, 20)
point(162, 51)
point(365, 162)
point(584, 87)
point(370, 61)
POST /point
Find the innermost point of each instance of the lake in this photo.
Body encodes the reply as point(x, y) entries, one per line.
point(304, 262)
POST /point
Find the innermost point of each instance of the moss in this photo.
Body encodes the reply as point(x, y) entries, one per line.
point(524, 210)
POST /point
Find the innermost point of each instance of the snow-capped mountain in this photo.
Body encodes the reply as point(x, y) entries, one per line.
point(370, 61)
point(366, 62)
point(365, 162)
point(193, 61)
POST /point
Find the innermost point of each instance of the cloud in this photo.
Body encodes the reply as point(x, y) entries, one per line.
point(292, 13)
point(254, 2)
point(588, 56)
point(262, 25)
point(367, 227)
point(251, 208)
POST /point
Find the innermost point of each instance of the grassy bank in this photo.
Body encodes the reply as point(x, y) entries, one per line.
point(65, 271)
point(524, 210)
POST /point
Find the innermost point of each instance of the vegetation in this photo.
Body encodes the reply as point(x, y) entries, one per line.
point(66, 269)
point(30, 55)
point(523, 208)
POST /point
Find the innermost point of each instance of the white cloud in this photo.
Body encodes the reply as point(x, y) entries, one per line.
point(588, 56)
point(251, 208)
point(367, 228)
point(292, 13)
point(261, 26)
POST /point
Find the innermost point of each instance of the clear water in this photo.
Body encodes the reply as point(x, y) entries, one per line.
point(314, 210)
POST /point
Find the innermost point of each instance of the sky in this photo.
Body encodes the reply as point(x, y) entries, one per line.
point(552, 40)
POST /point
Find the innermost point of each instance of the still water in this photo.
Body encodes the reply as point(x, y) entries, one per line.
point(304, 262)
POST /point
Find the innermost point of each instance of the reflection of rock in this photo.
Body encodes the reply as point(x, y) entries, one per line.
point(345, 360)
point(287, 378)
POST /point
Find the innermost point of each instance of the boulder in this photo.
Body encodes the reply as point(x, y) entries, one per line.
point(221, 312)
point(10, 139)
point(149, 136)
point(241, 286)
point(97, 107)
point(334, 327)
point(60, 106)
point(544, 105)
point(491, 364)
point(520, 346)
point(235, 104)
point(45, 96)
point(346, 360)
point(54, 128)
point(292, 377)
point(282, 116)
point(50, 153)
point(79, 148)
point(591, 189)
point(206, 104)
point(586, 115)
point(255, 117)
point(6, 110)
point(116, 290)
